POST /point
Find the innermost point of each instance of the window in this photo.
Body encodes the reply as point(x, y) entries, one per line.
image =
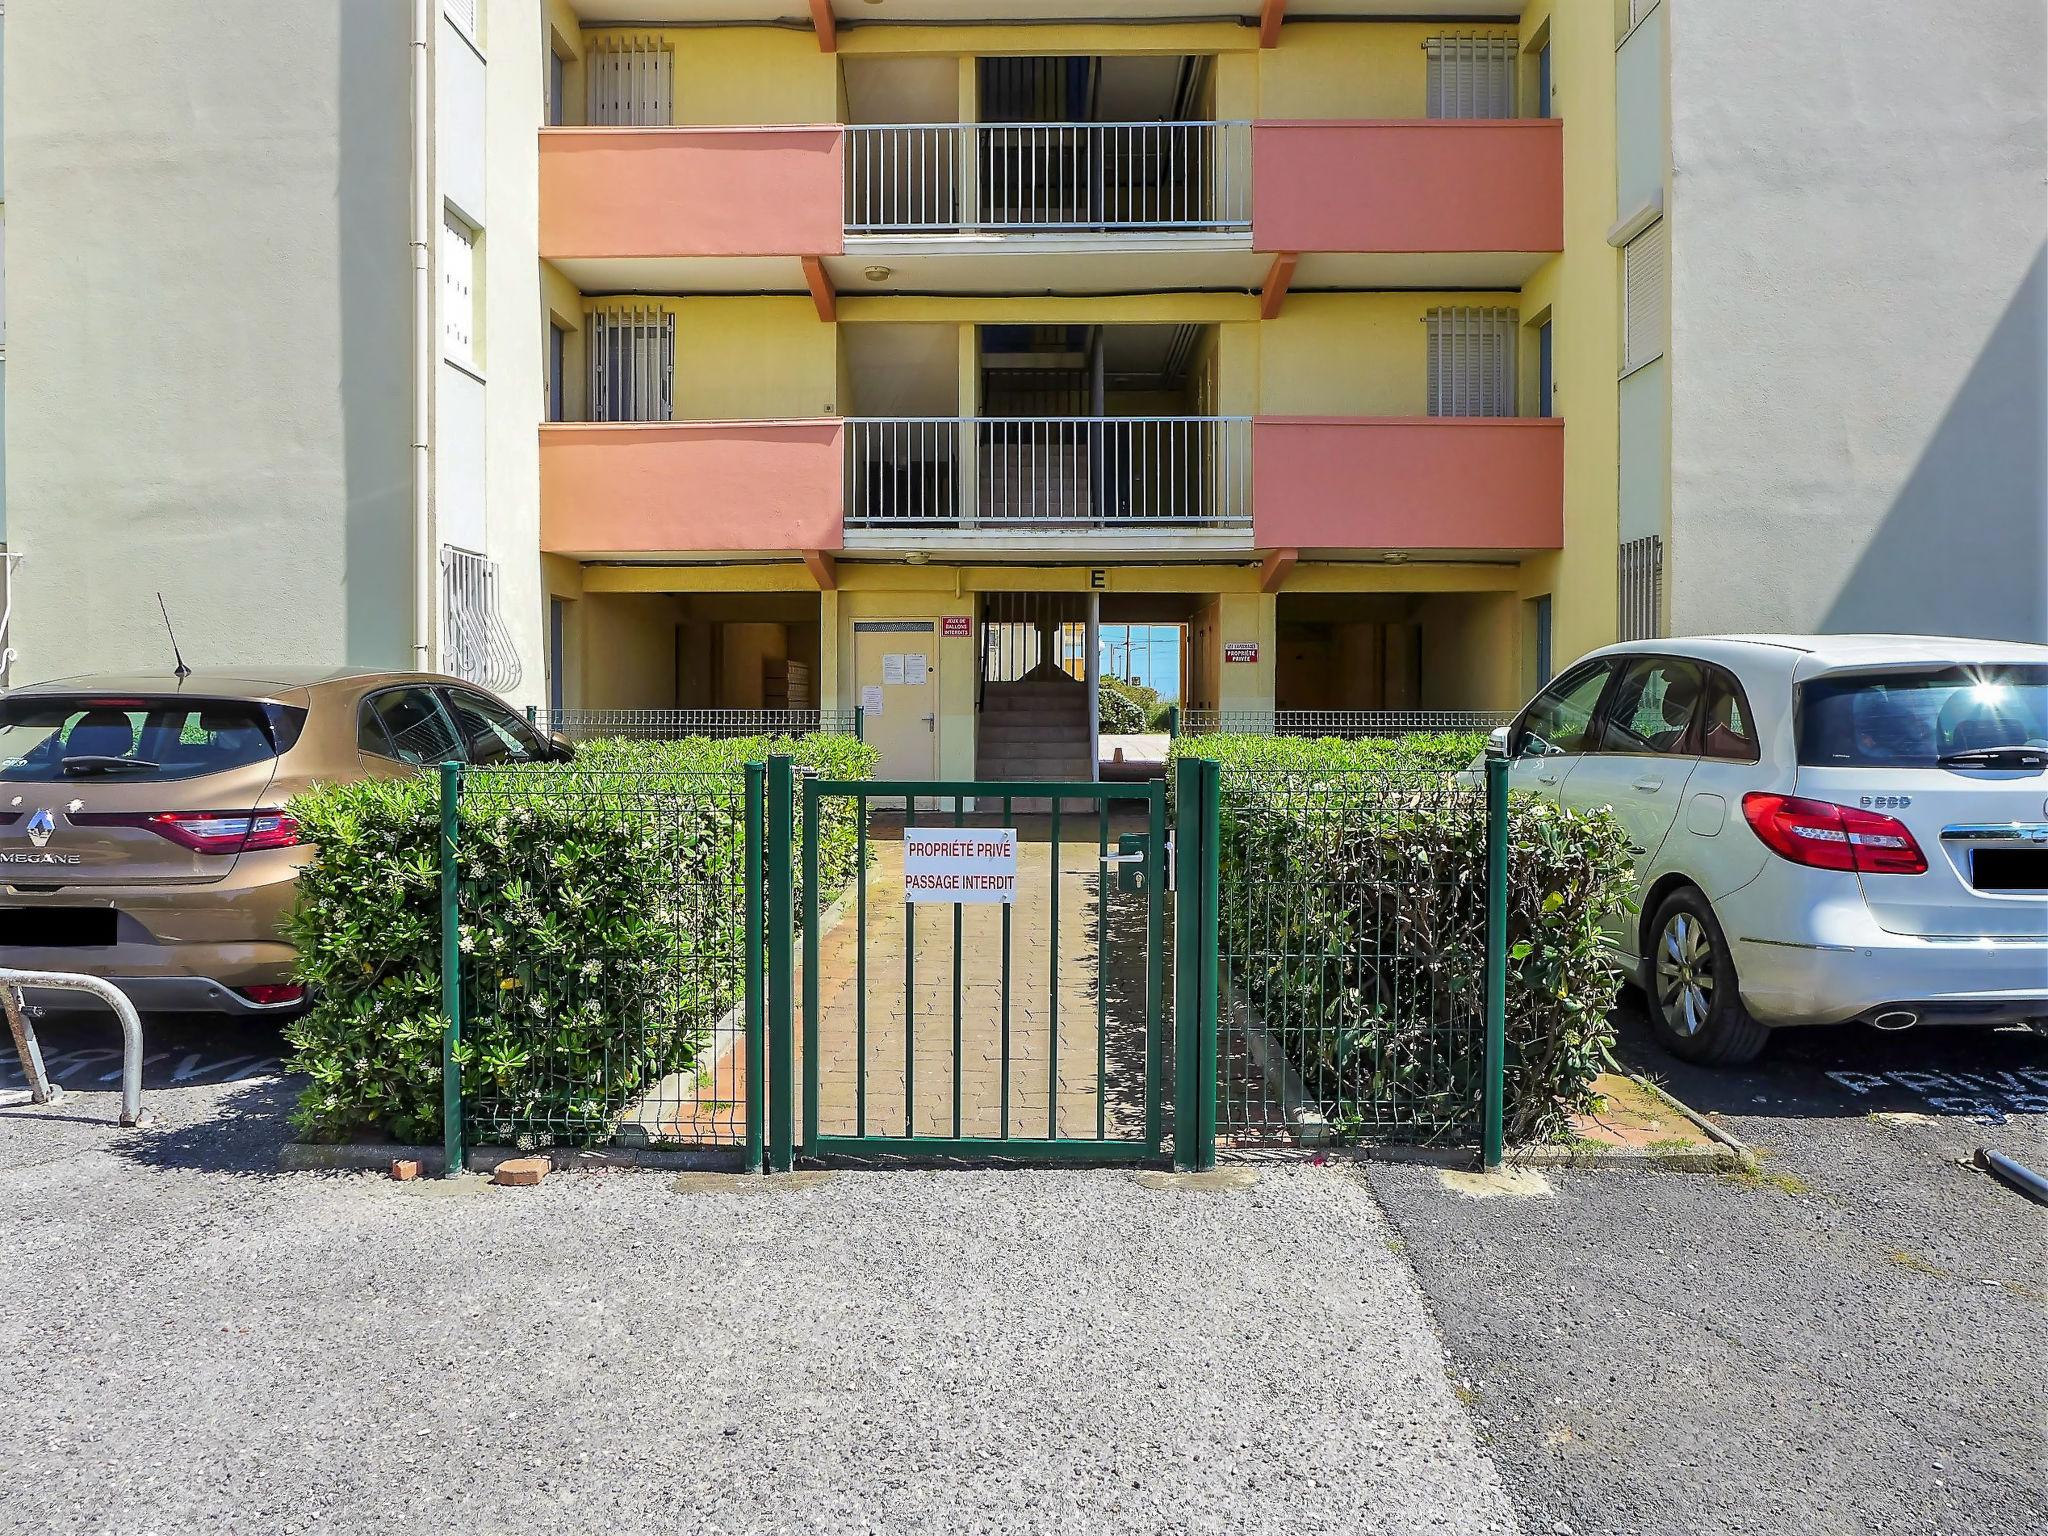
point(409, 724)
point(1543, 86)
point(490, 732)
point(464, 14)
point(558, 87)
point(75, 738)
point(1912, 719)
point(632, 364)
point(1472, 362)
point(1641, 575)
point(474, 641)
point(1546, 372)
point(1543, 639)
point(1652, 706)
point(1560, 719)
point(1472, 77)
point(558, 351)
point(558, 653)
point(458, 288)
point(1646, 298)
point(628, 82)
point(1727, 729)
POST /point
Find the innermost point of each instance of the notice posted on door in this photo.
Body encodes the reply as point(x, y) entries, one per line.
point(960, 864)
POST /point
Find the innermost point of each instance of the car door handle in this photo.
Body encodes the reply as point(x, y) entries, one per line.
point(1649, 782)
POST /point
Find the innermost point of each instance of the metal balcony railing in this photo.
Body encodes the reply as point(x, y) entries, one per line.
point(1048, 472)
point(1350, 724)
point(924, 178)
point(674, 724)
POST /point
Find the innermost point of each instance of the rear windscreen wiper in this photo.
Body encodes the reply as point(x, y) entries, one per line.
point(88, 763)
point(2018, 755)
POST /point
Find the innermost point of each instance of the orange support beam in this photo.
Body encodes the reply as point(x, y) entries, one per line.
point(1273, 573)
point(820, 282)
point(1270, 15)
point(827, 29)
point(824, 570)
point(1278, 276)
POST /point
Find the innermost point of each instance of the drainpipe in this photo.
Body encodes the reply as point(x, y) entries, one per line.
point(422, 334)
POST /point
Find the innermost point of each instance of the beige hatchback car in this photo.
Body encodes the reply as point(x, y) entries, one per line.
point(143, 830)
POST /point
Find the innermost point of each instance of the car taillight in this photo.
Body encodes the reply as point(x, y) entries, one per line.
point(208, 831)
point(1823, 835)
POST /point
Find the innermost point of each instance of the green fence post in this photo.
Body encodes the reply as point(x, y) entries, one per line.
point(1492, 1137)
point(1187, 943)
point(810, 927)
point(1173, 722)
point(781, 965)
point(860, 723)
point(757, 1056)
point(451, 977)
point(1209, 976)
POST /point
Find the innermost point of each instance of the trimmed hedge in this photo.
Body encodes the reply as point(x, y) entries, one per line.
point(601, 924)
point(1354, 909)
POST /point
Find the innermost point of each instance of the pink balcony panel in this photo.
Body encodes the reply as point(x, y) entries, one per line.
point(618, 192)
point(1408, 186)
point(650, 487)
point(1404, 482)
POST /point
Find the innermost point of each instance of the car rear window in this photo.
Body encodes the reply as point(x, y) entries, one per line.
point(46, 738)
point(1914, 719)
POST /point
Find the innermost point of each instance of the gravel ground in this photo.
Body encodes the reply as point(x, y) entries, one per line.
point(211, 1346)
point(1854, 1344)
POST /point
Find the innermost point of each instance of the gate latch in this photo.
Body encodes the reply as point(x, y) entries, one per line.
point(1128, 861)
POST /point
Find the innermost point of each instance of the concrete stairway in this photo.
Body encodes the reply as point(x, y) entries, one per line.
point(1035, 729)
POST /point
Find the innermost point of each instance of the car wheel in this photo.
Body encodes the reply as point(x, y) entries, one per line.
point(1695, 1002)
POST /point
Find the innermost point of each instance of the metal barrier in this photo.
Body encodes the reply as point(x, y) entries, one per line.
point(674, 724)
point(40, 1090)
point(1048, 472)
point(930, 178)
point(1342, 723)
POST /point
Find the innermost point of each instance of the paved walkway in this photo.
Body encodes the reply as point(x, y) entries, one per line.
point(934, 982)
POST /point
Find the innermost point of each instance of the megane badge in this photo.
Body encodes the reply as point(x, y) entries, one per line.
point(40, 826)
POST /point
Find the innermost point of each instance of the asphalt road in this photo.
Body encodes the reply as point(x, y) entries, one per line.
point(1853, 1343)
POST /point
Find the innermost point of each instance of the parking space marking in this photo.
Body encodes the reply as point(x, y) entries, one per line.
point(1992, 1097)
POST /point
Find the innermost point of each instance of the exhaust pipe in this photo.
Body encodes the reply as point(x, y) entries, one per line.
point(1895, 1019)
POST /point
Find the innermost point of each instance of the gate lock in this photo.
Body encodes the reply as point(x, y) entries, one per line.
point(1129, 860)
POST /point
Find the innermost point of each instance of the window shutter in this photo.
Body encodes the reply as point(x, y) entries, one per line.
point(463, 14)
point(1471, 77)
point(1472, 361)
point(1647, 301)
point(630, 82)
point(458, 284)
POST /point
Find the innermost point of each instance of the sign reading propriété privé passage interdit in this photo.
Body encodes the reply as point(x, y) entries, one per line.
point(960, 864)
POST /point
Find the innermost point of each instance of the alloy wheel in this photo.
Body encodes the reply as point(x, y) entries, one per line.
point(1685, 973)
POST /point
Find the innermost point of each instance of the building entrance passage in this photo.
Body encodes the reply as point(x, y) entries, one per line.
point(953, 974)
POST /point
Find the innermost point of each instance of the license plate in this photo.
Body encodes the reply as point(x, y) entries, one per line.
point(57, 927)
point(2009, 869)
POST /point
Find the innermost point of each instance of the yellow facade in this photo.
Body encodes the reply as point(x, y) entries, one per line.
point(1360, 352)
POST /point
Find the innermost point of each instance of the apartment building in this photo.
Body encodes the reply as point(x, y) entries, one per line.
point(743, 354)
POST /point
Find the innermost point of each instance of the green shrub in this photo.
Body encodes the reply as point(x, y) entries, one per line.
point(1123, 710)
point(1354, 919)
point(601, 926)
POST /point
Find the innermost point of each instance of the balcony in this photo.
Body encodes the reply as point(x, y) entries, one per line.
point(1048, 178)
point(1173, 479)
point(609, 489)
point(1413, 484)
point(623, 207)
point(1370, 193)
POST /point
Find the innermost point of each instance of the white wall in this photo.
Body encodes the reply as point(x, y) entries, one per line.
point(1857, 333)
point(208, 332)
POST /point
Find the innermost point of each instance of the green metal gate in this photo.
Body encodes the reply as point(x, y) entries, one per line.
point(1033, 1027)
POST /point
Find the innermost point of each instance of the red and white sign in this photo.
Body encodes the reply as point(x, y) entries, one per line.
point(1241, 650)
point(960, 864)
point(956, 626)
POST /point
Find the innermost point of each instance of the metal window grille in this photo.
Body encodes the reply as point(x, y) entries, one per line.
point(458, 287)
point(629, 82)
point(1472, 77)
point(8, 562)
point(632, 364)
point(474, 641)
point(1642, 588)
point(1472, 361)
point(1647, 296)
